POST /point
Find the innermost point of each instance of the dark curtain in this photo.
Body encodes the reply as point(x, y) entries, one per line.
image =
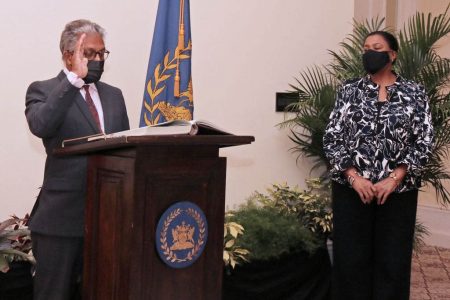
point(294, 276)
point(17, 283)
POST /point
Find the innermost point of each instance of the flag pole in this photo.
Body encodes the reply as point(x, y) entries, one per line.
point(180, 47)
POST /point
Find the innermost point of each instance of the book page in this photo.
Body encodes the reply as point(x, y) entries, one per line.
point(159, 129)
point(174, 127)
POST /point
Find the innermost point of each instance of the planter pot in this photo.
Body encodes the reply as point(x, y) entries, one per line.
point(17, 283)
point(294, 276)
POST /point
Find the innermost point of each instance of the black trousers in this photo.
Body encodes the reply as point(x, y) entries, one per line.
point(372, 245)
point(58, 267)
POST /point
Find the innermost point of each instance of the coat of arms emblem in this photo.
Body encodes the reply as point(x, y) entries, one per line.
point(181, 234)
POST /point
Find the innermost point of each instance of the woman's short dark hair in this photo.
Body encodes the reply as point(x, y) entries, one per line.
point(388, 37)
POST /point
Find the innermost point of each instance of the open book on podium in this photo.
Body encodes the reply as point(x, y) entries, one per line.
point(174, 127)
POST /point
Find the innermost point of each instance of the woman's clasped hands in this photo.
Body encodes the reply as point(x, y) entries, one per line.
point(369, 191)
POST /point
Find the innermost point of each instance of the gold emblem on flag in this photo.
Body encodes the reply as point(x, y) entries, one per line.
point(171, 112)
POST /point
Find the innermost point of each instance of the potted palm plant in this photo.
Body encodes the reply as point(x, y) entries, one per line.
point(418, 60)
point(16, 260)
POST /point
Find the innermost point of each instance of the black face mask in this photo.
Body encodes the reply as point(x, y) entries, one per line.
point(374, 61)
point(95, 71)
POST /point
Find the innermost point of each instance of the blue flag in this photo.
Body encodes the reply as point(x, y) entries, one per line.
point(168, 89)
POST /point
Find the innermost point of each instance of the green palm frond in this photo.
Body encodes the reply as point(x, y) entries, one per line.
point(310, 83)
point(440, 111)
point(434, 76)
point(411, 59)
point(425, 31)
point(417, 43)
point(347, 61)
point(316, 89)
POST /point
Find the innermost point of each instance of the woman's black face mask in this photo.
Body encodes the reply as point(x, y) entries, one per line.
point(374, 61)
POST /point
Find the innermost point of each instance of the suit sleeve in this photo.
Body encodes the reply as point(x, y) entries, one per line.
point(46, 105)
point(125, 121)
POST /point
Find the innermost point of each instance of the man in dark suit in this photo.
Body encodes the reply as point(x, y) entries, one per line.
point(73, 104)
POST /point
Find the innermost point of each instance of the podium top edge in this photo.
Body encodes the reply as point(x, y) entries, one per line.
point(219, 141)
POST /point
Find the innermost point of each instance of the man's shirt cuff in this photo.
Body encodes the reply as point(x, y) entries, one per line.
point(75, 80)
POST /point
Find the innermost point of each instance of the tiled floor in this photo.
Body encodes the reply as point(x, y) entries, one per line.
point(430, 278)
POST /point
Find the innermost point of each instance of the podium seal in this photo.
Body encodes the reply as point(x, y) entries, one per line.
point(181, 234)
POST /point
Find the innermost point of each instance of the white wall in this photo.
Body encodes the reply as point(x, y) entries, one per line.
point(244, 52)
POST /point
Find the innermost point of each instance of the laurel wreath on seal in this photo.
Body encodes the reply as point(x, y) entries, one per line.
point(169, 254)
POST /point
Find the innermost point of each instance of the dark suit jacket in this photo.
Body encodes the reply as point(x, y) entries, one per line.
point(56, 111)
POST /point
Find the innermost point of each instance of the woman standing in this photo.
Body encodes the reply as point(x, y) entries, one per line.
point(377, 141)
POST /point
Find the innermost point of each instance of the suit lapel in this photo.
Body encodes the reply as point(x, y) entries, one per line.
point(84, 109)
point(107, 114)
point(82, 105)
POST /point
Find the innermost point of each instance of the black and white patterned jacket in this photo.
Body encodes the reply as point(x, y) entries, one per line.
point(376, 137)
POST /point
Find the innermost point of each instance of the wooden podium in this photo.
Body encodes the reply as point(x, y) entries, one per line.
point(131, 182)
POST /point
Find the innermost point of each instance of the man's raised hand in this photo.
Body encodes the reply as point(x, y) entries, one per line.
point(79, 62)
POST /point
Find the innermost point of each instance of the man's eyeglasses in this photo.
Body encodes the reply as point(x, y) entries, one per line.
point(91, 54)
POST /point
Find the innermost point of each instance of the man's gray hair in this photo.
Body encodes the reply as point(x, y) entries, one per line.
point(73, 30)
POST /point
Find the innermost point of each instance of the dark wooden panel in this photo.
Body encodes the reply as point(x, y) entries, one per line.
point(108, 227)
point(201, 182)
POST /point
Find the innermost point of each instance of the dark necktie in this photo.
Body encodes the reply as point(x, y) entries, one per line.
point(92, 108)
